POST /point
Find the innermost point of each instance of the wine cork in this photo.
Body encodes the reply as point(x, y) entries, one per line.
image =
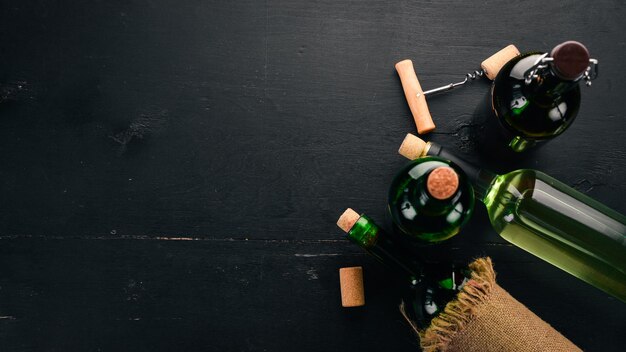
point(492, 65)
point(415, 97)
point(352, 292)
point(347, 220)
point(442, 182)
point(413, 147)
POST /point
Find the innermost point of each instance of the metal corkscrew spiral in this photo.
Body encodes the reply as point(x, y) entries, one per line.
point(475, 74)
point(468, 77)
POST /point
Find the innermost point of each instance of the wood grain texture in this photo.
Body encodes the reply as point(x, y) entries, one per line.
point(172, 171)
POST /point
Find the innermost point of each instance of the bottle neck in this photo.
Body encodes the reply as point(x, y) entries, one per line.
point(550, 85)
point(480, 179)
point(370, 237)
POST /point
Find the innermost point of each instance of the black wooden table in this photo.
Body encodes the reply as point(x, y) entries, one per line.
point(171, 171)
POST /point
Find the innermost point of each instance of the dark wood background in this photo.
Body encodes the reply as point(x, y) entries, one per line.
point(171, 171)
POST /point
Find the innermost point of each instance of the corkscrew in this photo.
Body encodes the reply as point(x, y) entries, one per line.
point(468, 77)
point(416, 97)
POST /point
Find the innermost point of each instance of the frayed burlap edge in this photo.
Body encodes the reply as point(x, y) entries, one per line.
point(460, 311)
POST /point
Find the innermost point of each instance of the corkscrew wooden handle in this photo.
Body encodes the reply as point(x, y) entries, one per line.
point(492, 65)
point(415, 97)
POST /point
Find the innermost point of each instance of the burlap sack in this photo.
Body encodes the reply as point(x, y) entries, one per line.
point(484, 318)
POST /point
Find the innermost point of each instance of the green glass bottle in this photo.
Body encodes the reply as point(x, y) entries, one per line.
point(536, 96)
point(430, 200)
point(548, 219)
point(430, 287)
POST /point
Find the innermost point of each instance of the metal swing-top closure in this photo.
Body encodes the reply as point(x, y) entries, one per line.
point(567, 60)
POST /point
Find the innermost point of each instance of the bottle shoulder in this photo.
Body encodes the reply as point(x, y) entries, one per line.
point(520, 65)
point(413, 178)
point(417, 213)
point(519, 183)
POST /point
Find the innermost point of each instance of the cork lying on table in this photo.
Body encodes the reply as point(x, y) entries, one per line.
point(492, 65)
point(351, 280)
point(415, 97)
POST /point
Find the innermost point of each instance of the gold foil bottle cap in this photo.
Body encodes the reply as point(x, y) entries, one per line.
point(442, 182)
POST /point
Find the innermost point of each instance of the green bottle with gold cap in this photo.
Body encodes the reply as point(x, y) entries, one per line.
point(430, 200)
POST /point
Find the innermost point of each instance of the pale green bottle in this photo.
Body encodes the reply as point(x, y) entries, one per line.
point(548, 219)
